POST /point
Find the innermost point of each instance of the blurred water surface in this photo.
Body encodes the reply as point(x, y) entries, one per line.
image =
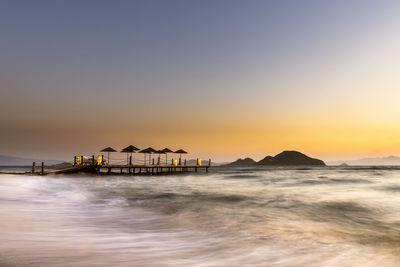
point(329, 216)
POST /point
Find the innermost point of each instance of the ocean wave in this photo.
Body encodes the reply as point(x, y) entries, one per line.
point(286, 217)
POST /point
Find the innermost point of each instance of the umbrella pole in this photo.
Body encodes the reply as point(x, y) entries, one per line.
point(108, 157)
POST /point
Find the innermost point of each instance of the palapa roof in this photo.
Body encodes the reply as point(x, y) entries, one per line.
point(148, 150)
point(180, 151)
point(167, 150)
point(108, 149)
point(130, 149)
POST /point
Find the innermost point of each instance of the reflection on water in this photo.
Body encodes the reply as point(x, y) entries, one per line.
point(231, 217)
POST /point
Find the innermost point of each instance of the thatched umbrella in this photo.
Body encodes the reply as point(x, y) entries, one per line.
point(166, 151)
point(108, 150)
point(180, 152)
point(129, 149)
point(148, 150)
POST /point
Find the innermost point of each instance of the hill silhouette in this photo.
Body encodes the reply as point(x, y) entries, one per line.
point(285, 158)
point(242, 163)
point(18, 161)
point(290, 158)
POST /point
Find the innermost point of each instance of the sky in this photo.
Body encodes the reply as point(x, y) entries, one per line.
point(220, 79)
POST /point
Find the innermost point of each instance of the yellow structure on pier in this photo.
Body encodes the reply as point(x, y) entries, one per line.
point(100, 160)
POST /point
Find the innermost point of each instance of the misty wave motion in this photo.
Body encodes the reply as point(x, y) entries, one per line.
point(231, 217)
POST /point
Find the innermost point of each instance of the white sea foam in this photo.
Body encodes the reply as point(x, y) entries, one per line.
point(294, 217)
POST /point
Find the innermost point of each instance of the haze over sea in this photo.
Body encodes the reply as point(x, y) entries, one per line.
point(332, 216)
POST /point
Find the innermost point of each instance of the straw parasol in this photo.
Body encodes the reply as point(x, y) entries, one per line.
point(108, 150)
point(129, 149)
point(166, 151)
point(180, 152)
point(148, 150)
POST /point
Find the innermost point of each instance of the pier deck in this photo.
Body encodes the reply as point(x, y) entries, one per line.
point(150, 169)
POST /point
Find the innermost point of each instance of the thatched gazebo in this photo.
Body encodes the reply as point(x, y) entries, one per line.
point(129, 149)
point(108, 150)
point(180, 152)
point(148, 150)
point(166, 151)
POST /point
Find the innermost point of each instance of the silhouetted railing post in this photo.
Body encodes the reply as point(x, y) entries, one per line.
point(74, 160)
point(185, 162)
point(33, 167)
point(130, 160)
point(42, 170)
point(92, 159)
point(158, 161)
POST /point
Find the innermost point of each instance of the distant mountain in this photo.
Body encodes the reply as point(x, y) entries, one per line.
point(17, 161)
point(391, 160)
point(286, 158)
point(242, 163)
point(290, 158)
point(62, 165)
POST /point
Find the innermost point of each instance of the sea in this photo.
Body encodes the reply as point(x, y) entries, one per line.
point(325, 216)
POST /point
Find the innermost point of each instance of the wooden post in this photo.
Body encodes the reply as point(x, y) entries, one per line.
point(172, 161)
point(180, 161)
point(195, 169)
point(158, 161)
point(42, 170)
point(74, 160)
point(33, 167)
point(209, 162)
point(185, 162)
point(92, 159)
point(153, 161)
point(130, 160)
point(121, 169)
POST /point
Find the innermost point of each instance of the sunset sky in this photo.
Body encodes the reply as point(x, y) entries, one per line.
point(220, 79)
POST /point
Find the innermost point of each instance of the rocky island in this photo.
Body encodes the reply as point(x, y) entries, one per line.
point(285, 158)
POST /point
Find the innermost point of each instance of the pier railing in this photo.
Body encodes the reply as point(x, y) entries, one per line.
point(101, 160)
point(132, 166)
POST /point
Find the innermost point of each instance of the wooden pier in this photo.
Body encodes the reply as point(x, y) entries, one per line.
point(149, 169)
point(89, 164)
point(82, 165)
point(98, 165)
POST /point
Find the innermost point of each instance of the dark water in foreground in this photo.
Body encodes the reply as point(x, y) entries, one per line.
point(230, 217)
